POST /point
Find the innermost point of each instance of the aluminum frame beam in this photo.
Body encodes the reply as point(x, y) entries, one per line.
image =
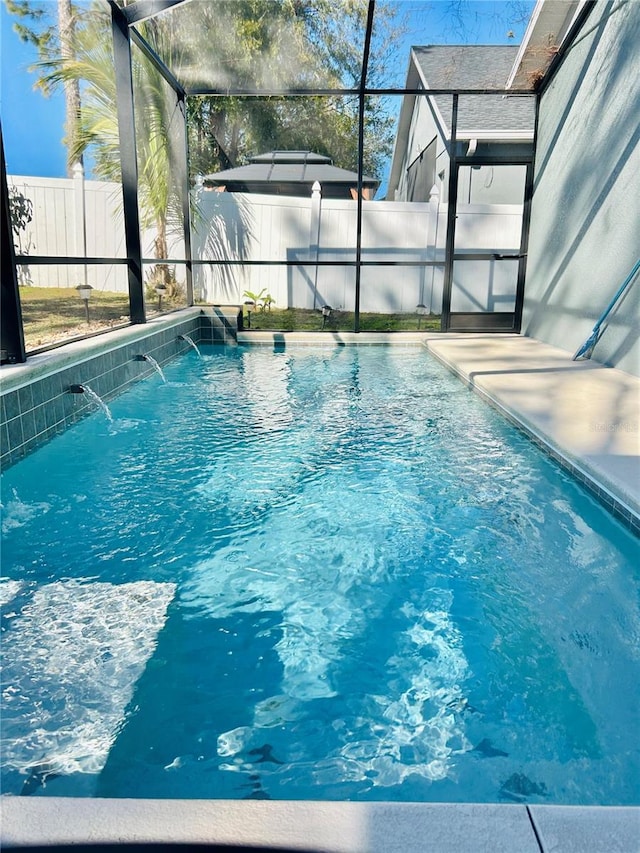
point(128, 160)
point(185, 191)
point(361, 111)
point(134, 13)
point(153, 57)
point(11, 328)
point(295, 92)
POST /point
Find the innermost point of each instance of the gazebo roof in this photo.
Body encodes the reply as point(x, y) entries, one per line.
point(290, 173)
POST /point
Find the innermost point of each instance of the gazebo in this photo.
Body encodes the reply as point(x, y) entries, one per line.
point(291, 173)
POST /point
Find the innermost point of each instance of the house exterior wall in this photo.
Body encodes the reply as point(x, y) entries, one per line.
point(485, 185)
point(586, 204)
point(501, 184)
point(422, 131)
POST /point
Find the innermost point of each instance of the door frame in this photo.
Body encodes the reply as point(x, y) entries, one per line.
point(484, 321)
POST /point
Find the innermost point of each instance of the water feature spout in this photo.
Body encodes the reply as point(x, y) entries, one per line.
point(91, 394)
point(191, 343)
point(152, 362)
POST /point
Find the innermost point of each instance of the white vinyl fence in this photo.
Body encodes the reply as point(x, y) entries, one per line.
point(300, 230)
point(72, 217)
point(84, 218)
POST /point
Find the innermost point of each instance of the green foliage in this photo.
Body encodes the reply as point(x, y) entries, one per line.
point(262, 300)
point(267, 302)
point(21, 214)
point(302, 320)
point(34, 25)
point(21, 211)
point(226, 44)
point(266, 46)
point(254, 298)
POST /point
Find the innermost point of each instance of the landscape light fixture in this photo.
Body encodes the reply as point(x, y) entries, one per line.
point(326, 312)
point(247, 303)
point(421, 310)
point(84, 292)
point(161, 290)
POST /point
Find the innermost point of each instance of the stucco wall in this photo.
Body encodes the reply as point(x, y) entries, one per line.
point(585, 225)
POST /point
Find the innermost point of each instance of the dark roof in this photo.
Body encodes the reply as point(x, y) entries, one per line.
point(466, 66)
point(289, 173)
point(475, 67)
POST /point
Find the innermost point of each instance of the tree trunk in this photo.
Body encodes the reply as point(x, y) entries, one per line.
point(66, 24)
point(161, 272)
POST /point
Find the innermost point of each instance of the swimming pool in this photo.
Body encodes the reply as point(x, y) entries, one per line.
point(315, 574)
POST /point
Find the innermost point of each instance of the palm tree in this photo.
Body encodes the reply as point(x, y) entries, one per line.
point(67, 33)
point(91, 67)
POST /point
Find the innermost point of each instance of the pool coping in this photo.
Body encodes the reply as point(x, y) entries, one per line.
point(313, 826)
point(40, 366)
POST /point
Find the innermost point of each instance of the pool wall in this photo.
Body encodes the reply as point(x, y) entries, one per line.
point(35, 403)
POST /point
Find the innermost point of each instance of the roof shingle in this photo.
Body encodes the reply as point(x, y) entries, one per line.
point(475, 67)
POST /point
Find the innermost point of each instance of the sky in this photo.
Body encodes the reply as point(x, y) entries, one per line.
point(33, 126)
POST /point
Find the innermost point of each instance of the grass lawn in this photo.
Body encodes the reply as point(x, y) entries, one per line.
point(52, 314)
point(55, 314)
point(305, 320)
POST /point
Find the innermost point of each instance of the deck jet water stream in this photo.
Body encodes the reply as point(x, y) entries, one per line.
point(153, 363)
point(191, 343)
point(91, 394)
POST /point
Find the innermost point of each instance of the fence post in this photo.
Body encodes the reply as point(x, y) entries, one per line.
point(80, 218)
point(432, 241)
point(314, 234)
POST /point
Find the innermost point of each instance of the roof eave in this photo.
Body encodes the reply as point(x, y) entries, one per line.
point(495, 135)
point(548, 26)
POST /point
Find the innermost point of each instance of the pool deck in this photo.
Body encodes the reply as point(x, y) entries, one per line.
point(588, 417)
point(585, 414)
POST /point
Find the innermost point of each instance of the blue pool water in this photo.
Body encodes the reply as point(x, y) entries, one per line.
point(322, 574)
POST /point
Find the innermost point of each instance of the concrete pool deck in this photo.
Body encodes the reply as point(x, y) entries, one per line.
point(587, 416)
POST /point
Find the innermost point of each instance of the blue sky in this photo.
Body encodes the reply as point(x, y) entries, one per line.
point(33, 126)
